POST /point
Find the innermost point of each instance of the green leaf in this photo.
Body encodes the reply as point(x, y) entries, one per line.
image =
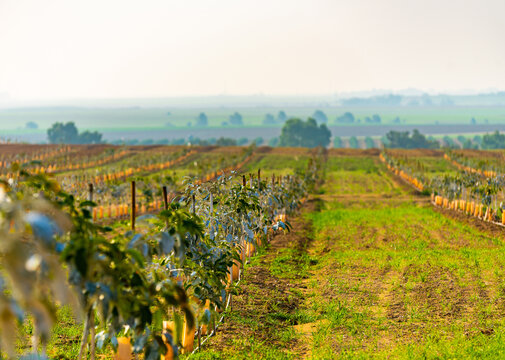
point(137, 256)
point(87, 203)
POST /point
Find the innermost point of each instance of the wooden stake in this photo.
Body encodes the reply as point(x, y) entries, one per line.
point(243, 181)
point(165, 197)
point(90, 195)
point(133, 206)
point(199, 338)
point(259, 178)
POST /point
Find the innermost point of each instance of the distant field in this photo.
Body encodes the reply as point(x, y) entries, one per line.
point(127, 118)
point(151, 123)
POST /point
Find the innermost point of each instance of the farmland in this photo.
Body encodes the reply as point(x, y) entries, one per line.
point(389, 255)
point(166, 122)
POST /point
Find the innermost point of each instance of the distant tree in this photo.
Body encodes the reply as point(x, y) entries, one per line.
point(222, 141)
point(320, 117)
point(461, 138)
point(61, 133)
point(493, 141)
point(67, 133)
point(202, 120)
point(369, 143)
point(269, 119)
point(353, 142)
point(180, 141)
point(449, 142)
point(31, 125)
point(242, 141)
point(337, 142)
point(385, 141)
point(419, 141)
point(273, 142)
point(236, 119)
point(169, 124)
point(89, 137)
point(197, 141)
point(131, 142)
point(281, 116)
point(189, 124)
point(163, 141)
point(299, 133)
point(224, 123)
point(396, 120)
point(473, 121)
point(212, 141)
point(401, 139)
point(258, 141)
point(147, 142)
point(376, 118)
point(347, 117)
point(477, 139)
point(468, 144)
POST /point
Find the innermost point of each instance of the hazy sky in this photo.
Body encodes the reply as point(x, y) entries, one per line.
point(157, 48)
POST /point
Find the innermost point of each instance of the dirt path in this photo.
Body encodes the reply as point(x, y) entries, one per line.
point(266, 309)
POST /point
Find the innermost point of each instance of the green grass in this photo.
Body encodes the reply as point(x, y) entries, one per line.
point(348, 175)
point(352, 163)
point(65, 339)
point(277, 164)
point(404, 282)
point(359, 182)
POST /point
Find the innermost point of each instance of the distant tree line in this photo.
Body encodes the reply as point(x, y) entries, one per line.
point(236, 119)
point(222, 141)
point(403, 140)
point(348, 118)
point(493, 141)
point(61, 133)
point(270, 119)
point(202, 120)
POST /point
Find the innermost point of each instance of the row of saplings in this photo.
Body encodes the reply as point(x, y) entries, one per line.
point(406, 176)
point(472, 208)
point(476, 182)
point(145, 292)
point(119, 209)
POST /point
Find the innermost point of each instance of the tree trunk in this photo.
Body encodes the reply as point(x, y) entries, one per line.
point(84, 340)
point(92, 348)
